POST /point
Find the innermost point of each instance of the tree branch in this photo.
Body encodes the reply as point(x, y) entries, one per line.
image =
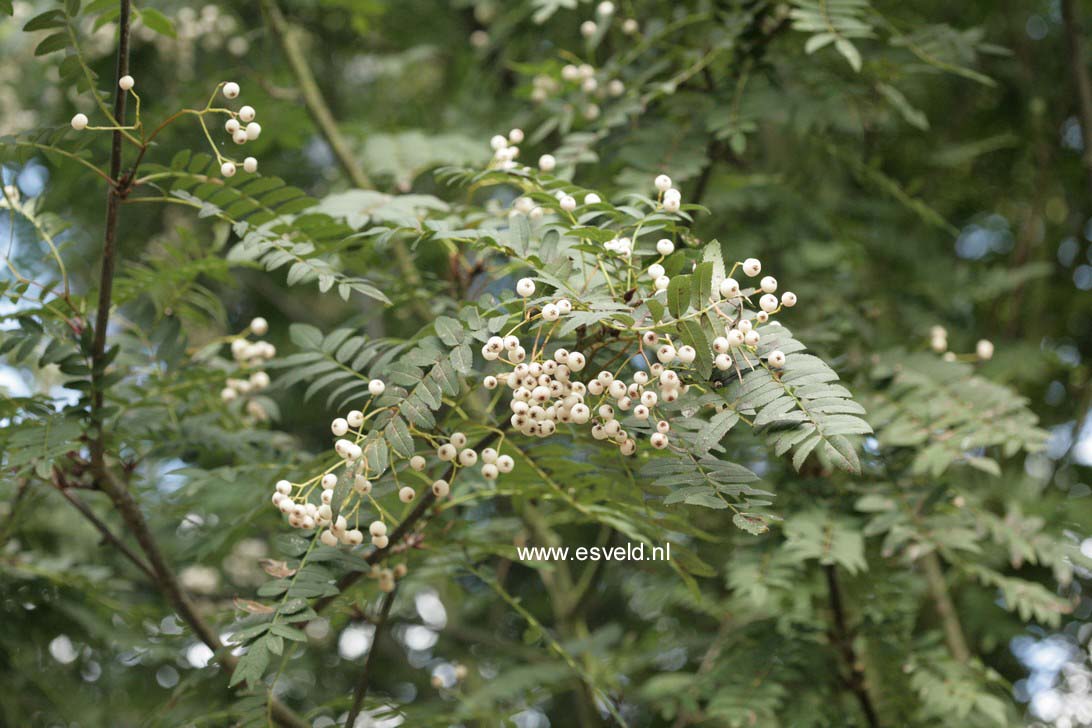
point(109, 247)
point(107, 535)
point(327, 126)
point(843, 640)
point(162, 575)
point(362, 686)
point(1081, 81)
point(942, 601)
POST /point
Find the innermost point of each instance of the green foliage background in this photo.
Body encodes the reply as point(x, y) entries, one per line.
point(897, 165)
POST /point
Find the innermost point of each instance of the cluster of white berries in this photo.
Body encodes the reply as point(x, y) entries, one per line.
point(249, 354)
point(604, 12)
point(669, 197)
point(544, 393)
point(240, 124)
point(938, 342)
point(506, 149)
point(295, 499)
point(242, 128)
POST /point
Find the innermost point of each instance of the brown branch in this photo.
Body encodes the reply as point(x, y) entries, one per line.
point(109, 248)
point(843, 641)
point(942, 601)
point(108, 536)
point(1081, 81)
point(362, 686)
point(162, 575)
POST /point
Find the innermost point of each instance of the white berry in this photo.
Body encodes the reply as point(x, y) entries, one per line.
point(525, 287)
point(79, 122)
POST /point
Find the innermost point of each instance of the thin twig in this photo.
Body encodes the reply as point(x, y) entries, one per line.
point(362, 686)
